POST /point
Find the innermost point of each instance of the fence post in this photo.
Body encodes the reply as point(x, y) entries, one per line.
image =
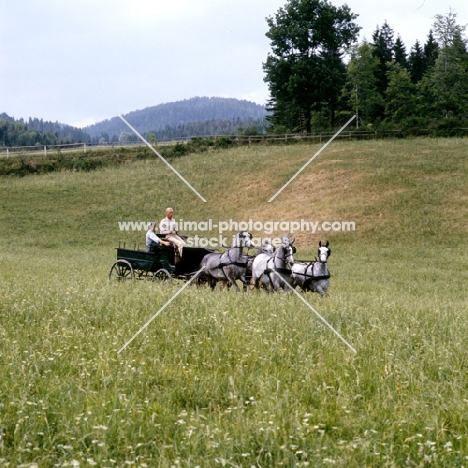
point(7, 155)
point(45, 150)
point(84, 147)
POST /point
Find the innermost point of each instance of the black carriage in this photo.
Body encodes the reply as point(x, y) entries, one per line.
point(134, 262)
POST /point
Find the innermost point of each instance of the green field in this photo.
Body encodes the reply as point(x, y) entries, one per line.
point(240, 379)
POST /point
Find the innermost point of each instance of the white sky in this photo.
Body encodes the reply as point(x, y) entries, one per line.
point(82, 61)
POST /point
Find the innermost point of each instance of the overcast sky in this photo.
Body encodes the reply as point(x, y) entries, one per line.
point(82, 61)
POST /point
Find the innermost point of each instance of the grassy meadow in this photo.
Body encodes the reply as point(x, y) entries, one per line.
point(226, 379)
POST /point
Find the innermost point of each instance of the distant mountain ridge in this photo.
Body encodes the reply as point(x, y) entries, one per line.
point(198, 116)
point(180, 113)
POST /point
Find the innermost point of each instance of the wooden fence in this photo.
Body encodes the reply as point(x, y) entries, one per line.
point(234, 139)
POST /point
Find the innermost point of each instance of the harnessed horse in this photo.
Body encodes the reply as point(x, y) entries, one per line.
point(266, 265)
point(230, 265)
point(314, 276)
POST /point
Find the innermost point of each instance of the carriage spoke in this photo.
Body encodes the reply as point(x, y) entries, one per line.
point(162, 275)
point(121, 270)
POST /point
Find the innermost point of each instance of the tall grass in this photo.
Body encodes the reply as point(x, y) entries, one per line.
point(226, 379)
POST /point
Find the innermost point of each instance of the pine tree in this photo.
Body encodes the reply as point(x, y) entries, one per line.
point(399, 53)
point(383, 50)
point(416, 62)
point(431, 51)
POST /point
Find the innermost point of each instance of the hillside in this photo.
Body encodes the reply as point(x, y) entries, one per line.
point(173, 114)
point(406, 189)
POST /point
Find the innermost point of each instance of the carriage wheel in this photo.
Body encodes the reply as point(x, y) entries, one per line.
point(162, 275)
point(121, 270)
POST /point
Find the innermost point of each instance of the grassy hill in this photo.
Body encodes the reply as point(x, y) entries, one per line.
point(226, 379)
point(401, 189)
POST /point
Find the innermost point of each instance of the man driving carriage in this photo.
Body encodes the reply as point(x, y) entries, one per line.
point(168, 226)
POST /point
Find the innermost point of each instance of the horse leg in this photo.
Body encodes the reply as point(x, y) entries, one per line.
point(231, 278)
point(212, 282)
point(275, 283)
point(245, 282)
point(318, 289)
point(256, 283)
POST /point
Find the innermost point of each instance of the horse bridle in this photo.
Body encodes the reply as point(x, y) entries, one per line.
point(286, 271)
point(240, 264)
point(319, 254)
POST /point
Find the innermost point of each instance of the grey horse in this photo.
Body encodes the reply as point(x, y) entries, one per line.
point(230, 265)
point(314, 276)
point(265, 266)
point(265, 248)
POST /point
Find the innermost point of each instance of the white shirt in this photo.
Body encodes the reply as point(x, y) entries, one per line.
point(151, 236)
point(168, 226)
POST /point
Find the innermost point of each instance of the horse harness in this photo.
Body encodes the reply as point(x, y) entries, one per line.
point(281, 271)
point(310, 278)
point(224, 264)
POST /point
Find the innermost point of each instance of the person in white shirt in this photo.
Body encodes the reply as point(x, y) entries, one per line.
point(168, 226)
point(152, 240)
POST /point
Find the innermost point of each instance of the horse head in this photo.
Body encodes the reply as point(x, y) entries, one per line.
point(243, 239)
point(323, 252)
point(267, 247)
point(286, 250)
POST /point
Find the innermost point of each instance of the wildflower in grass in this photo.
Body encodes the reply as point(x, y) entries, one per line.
point(104, 428)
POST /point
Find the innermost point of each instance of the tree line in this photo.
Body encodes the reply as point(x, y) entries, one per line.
point(37, 132)
point(205, 128)
point(317, 72)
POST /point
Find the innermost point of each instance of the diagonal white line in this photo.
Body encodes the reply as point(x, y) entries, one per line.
point(312, 158)
point(159, 311)
point(165, 162)
point(316, 313)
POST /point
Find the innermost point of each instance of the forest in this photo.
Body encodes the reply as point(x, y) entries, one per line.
point(318, 74)
point(37, 132)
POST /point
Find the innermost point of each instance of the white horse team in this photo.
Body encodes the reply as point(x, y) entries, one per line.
point(271, 270)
